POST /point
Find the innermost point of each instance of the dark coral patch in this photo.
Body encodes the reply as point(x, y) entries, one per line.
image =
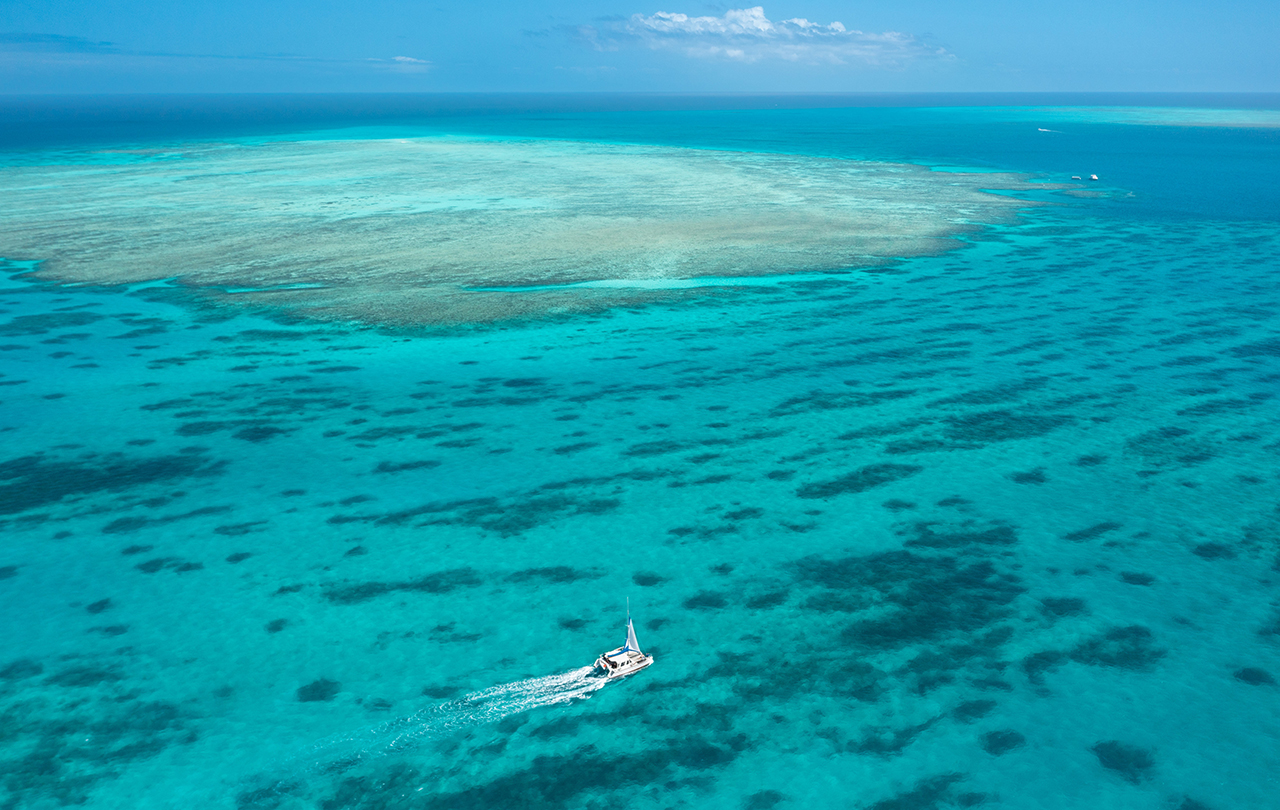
point(1132, 763)
point(1254, 676)
point(1001, 742)
point(836, 602)
point(1129, 647)
point(706, 600)
point(322, 689)
point(1002, 426)
point(1263, 348)
point(157, 564)
point(524, 382)
point(1168, 446)
point(98, 606)
point(1036, 664)
point(771, 599)
point(1005, 392)
point(929, 597)
point(503, 517)
point(1063, 606)
point(576, 447)
point(929, 537)
point(83, 677)
point(933, 793)
point(258, 433)
point(1136, 578)
point(87, 739)
point(237, 529)
point(1081, 535)
point(860, 480)
point(110, 630)
point(556, 574)
point(125, 525)
point(646, 579)
point(46, 322)
point(972, 710)
point(903, 447)
point(203, 428)
point(405, 466)
point(1214, 551)
point(658, 448)
point(1035, 476)
point(20, 669)
point(39, 481)
point(763, 800)
point(823, 401)
point(553, 781)
point(439, 582)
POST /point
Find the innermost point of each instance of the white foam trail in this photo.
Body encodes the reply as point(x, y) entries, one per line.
point(342, 751)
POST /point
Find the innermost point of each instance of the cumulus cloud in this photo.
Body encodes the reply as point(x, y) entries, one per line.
point(747, 35)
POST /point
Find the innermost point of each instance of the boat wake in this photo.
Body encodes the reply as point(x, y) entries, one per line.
point(342, 752)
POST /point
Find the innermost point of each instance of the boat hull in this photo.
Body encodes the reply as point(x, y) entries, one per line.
point(621, 662)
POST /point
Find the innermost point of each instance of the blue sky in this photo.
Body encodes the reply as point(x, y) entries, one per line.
point(57, 46)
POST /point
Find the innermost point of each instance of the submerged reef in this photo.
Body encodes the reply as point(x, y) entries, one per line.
point(439, 229)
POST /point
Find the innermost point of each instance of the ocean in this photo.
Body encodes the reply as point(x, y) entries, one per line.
point(337, 434)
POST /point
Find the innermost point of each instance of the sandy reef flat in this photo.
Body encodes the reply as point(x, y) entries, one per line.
point(404, 231)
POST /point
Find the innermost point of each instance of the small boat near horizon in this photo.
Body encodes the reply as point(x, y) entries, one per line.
point(626, 659)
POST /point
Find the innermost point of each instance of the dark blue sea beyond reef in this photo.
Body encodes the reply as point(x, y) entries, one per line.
point(996, 528)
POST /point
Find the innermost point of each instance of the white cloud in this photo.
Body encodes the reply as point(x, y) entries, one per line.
point(404, 64)
point(747, 35)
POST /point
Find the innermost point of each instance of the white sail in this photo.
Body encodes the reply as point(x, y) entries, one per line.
point(632, 644)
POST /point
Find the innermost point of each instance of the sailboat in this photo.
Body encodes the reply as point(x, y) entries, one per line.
point(626, 659)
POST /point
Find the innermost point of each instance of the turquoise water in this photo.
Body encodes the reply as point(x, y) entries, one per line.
point(993, 528)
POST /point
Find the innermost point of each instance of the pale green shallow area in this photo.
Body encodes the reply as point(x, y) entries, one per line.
point(1160, 116)
point(396, 230)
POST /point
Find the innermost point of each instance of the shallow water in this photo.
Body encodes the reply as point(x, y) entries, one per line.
point(994, 528)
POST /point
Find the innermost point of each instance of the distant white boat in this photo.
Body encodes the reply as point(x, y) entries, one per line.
point(1093, 177)
point(626, 659)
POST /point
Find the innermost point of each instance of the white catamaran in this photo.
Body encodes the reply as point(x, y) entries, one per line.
point(626, 659)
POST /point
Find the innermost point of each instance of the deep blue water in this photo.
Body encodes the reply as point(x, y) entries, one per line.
point(1218, 172)
point(995, 528)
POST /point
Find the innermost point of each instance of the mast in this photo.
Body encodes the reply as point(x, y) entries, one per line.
point(632, 643)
